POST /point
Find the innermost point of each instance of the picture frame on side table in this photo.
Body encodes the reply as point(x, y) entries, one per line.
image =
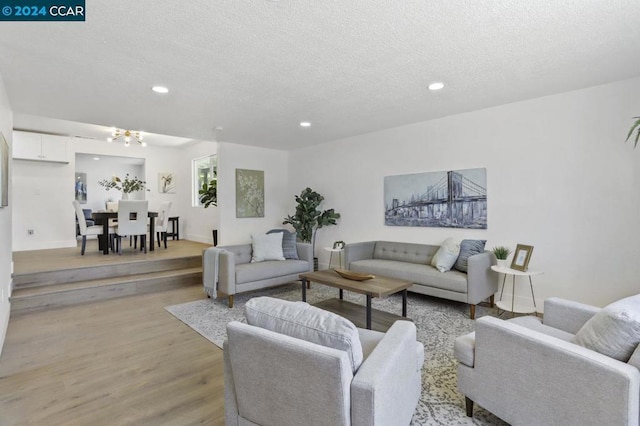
point(521, 257)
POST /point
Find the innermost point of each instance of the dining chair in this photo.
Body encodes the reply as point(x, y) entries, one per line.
point(112, 206)
point(132, 221)
point(162, 223)
point(85, 230)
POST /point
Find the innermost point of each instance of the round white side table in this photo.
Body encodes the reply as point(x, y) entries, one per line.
point(332, 250)
point(513, 307)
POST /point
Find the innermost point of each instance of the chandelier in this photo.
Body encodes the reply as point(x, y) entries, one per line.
point(127, 135)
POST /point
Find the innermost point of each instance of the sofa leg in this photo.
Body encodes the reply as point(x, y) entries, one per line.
point(469, 406)
point(472, 312)
point(231, 301)
point(492, 300)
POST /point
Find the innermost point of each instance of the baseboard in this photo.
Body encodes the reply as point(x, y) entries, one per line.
point(5, 310)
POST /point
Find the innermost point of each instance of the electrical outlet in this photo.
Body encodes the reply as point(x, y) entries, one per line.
point(29, 231)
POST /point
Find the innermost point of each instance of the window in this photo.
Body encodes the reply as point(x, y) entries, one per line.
point(204, 170)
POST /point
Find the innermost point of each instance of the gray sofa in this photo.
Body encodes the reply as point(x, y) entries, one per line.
point(236, 273)
point(412, 262)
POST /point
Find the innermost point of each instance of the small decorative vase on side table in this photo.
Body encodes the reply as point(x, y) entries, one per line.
point(503, 263)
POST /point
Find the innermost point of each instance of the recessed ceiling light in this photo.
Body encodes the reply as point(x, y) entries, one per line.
point(436, 86)
point(305, 124)
point(160, 89)
point(96, 158)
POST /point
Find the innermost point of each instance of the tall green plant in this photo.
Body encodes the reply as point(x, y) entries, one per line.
point(308, 218)
point(636, 127)
point(209, 193)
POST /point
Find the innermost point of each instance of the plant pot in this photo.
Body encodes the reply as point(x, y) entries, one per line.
point(504, 263)
point(125, 195)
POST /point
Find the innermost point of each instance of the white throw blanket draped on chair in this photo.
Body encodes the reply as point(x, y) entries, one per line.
point(210, 270)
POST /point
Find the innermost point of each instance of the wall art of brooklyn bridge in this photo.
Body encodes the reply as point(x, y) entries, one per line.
point(448, 199)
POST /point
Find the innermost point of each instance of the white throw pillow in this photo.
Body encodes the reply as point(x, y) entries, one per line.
point(266, 247)
point(447, 254)
point(306, 322)
point(614, 331)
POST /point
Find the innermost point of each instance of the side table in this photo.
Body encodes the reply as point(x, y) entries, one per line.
point(332, 250)
point(513, 307)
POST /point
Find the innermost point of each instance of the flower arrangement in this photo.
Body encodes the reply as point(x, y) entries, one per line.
point(126, 185)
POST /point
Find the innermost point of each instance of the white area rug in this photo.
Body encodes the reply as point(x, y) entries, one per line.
point(438, 322)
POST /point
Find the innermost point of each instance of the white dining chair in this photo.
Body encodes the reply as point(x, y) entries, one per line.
point(112, 206)
point(162, 223)
point(132, 221)
point(89, 230)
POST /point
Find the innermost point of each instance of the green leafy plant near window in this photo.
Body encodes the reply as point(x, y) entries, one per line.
point(636, 128)
point(308, 219)
point(126, 185)
point(209, 193)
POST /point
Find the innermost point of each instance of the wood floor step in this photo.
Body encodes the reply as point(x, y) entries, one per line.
point(49, 296)
point(98, 272)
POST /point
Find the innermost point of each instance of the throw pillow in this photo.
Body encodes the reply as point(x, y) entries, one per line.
point(446, 255)
point(306, 322)
point(467, 249)
point(289, 247)
point(266, 247)
point(614, 331)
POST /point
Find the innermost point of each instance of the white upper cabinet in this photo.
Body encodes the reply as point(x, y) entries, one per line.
point(39, 147)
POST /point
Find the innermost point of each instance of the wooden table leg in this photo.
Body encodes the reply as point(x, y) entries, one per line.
point(152, 227)
point(304, 289)
point(368, 312)
point(105, 236)
point(404, 303)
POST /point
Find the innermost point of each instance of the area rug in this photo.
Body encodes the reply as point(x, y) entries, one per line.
point(438, 323)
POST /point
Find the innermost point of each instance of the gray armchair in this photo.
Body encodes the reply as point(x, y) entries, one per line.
point(273, 378)
point(528, 372)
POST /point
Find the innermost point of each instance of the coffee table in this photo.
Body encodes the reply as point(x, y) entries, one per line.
point(376, 287)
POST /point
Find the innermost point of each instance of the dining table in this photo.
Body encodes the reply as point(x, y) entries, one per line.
point(102, 218)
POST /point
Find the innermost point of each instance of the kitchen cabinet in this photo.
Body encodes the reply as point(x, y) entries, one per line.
point(40, 147)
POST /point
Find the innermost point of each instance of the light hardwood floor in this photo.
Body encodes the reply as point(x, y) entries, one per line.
point(124, 361)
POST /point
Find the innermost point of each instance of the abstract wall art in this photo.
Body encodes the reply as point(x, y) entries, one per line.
point(249, 193)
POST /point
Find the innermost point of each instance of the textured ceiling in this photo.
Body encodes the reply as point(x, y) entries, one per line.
point(257, 68)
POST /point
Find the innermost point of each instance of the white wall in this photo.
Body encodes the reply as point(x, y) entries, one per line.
point(6, 264)
point(197, 222)
point(559, 178)
point(106, 167)
point(274, 163)
point(51, 185)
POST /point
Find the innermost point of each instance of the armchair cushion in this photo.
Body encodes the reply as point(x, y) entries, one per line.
point(266, 247)
point(614, 331)
point(306, 322)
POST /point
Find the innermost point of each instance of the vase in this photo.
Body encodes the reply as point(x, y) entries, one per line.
point(125, 195)
point(503, 263)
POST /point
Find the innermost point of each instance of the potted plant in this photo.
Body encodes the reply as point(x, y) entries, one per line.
point(209, 197)
point(502, 253)
point(126, 185)
point(308, 219)
point(636, 127)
